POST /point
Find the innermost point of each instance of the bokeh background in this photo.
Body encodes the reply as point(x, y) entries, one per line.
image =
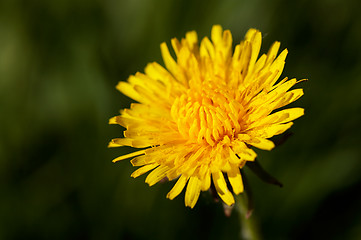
point(59, 63)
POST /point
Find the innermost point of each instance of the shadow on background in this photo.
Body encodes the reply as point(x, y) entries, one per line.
point(59, 64)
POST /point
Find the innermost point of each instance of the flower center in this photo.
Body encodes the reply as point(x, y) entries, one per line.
point(208, 113)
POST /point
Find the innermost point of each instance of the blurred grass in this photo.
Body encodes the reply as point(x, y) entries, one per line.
point(59, 64)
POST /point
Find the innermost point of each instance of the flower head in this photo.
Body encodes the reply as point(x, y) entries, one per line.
point(197, 118)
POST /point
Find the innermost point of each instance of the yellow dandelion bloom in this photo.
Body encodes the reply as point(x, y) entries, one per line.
point(197, 118)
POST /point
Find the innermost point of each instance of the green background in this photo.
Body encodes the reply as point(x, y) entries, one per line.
point(60, 61)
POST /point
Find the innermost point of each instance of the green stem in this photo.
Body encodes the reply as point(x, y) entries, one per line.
point(249, 230)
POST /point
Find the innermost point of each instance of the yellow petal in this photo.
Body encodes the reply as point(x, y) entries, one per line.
point(216, 34)
point(288, 98)
point(157, 72)
point(206, 182)
point(293, 113)
point(139, 161)
point(141, 143)
point(278, 65)
point(144, 169)
point(148, 85)
point(113, 120)
point(250, 34)
point(171, 64)
point(272, 130)
point(178, 187)
point(236, 55)
point(284, 85)
point(272, 52)
point(233, 158)
point(283, 116)
point(278, 129)
point(222, 188)
point(206, 48)
point(235, 179)
point(260, 63)
point(192, 39)
point(156, 175)
point(130, 155)
point(190, 165)
point(255, 37)
point(244, 137)
point(262, 143)
point(167, 58)
point(244, 58)
point(193, 191)
point(129, 91)
point(297, 93)
point(247, 154)
point(118, 142)
point(176, 45)
point(227, 40)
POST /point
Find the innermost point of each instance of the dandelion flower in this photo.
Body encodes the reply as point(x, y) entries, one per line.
point(197, 119)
